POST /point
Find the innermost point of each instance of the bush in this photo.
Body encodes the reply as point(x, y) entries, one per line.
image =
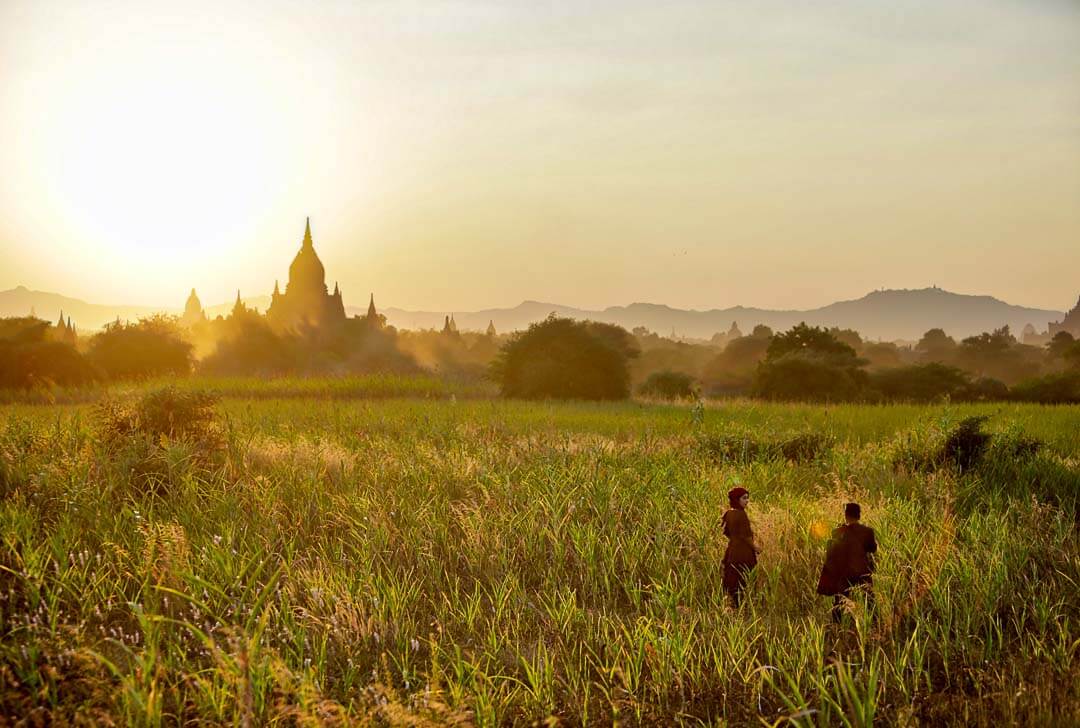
point(1063, 388)
point(565, 359)
point(668, 385)
point(151, 347)
point(964, 445)
point(162, 413)
point(155, 440)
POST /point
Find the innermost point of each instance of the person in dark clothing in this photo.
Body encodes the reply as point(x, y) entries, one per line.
point(849, 562)
point(741, 553)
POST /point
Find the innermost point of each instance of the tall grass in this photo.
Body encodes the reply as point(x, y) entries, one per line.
point(430, 562)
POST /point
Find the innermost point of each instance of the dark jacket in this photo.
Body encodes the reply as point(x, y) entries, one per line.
point(849, 559)
point(740, 548)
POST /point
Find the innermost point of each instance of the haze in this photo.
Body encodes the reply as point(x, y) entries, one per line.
point(459, 155)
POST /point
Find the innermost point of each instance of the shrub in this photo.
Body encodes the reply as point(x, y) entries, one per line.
point(668, 385)
point(964, 445)
point(1062, 388)
point(162, 413)
point(564, 359)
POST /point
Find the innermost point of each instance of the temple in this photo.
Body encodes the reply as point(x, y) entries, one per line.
point(1069, 324)
point(193, 311)
point(305, 301)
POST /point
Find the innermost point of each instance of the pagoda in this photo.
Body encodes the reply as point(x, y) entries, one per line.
point(1069, 324)
point(305, 301)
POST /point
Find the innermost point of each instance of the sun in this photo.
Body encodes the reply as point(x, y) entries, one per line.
point(162, 165)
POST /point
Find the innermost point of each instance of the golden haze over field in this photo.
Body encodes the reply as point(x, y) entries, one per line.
point(470, 154)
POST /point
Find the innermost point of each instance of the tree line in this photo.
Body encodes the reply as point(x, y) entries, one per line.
point(559, 358)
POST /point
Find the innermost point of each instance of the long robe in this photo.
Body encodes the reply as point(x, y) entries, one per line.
point(740, 556)
point(849, 559)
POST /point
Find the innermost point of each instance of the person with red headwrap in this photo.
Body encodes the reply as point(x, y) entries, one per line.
point(741, 554)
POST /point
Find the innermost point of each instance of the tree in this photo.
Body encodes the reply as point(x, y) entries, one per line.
point(565, 359)
point(810, 340)
point(732, 370)
point(936, 345)
point(809, 363)
point(997, 354)
point(882, 355)
point(29, 358)
point(1059, 345)
point(151, 347)
point(251, 346)
point(922, 382)
point(850, 337)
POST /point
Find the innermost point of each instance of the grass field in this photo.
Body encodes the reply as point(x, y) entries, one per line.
point(310, 557)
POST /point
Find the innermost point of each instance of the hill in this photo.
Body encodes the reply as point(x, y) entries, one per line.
point(886, 314)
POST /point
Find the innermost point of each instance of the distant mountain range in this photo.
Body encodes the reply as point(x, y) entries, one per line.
point(888, 314)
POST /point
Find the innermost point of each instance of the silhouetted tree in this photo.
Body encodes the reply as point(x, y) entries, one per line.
point(922, 382)
point(998, 355)
point(151, 347)
point(565, 359)
point(30, 357)
point(251, 346)
point(850, 337)
point(809, 363)
point(732, 370)
point(1059, 345)
point(936, 345)
point(881, 355)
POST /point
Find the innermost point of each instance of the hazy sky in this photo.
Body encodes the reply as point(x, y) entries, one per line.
point(459, 155)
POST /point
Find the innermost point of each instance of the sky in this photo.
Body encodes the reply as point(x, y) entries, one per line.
point(464, 154)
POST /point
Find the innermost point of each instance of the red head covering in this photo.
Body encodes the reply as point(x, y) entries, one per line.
point(735, 494)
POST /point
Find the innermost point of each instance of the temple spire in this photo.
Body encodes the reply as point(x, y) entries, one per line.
point(307, 235)
point(277, 291)
point(371, 307)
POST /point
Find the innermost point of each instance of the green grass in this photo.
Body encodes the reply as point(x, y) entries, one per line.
point(405, 561)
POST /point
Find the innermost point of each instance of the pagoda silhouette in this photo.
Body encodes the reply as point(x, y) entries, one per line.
point(305, 301)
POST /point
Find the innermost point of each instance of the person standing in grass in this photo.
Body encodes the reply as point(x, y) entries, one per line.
point(849, 562)
point(741, 554)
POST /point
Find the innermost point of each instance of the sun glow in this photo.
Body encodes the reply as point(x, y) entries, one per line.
point(154, 162)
